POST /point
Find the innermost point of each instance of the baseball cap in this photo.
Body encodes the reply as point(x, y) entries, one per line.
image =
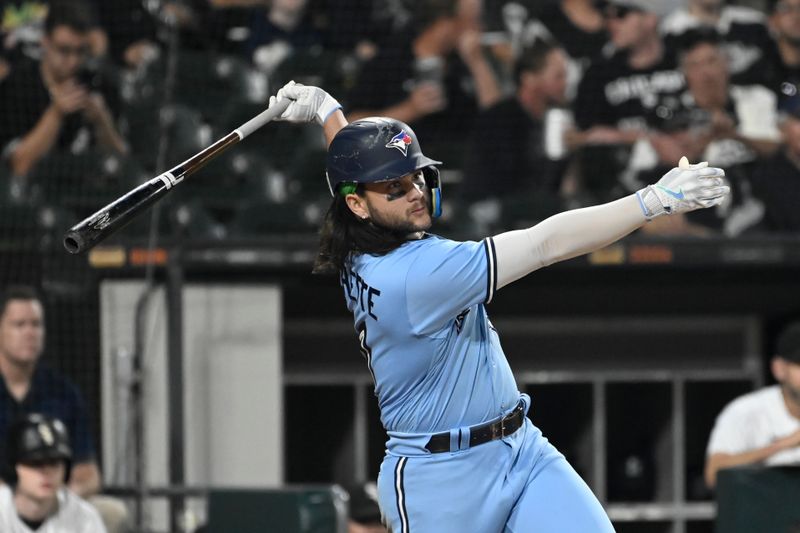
point(789, 343)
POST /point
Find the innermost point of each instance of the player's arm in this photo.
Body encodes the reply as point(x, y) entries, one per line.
point(719, 460)
point(573, 233)
point(311, 104)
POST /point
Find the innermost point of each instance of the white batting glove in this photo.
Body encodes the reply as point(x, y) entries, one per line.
point(309, 103)
point(684, 188)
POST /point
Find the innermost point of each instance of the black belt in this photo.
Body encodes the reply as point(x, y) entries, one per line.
point(483, 433)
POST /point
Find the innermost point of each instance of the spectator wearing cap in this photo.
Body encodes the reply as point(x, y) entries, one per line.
point(617, 93)
point(776, 181)
point(745, 37)
point(763, 426)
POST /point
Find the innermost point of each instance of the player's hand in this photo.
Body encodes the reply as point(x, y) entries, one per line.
point(309, 103)
point(684, 188)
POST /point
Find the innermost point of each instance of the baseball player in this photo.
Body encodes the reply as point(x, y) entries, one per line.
point(462, 454)
point(36, 498)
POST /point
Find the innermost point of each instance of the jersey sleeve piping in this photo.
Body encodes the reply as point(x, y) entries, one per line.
point(491, 269)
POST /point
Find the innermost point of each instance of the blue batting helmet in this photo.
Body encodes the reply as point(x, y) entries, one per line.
point(379, 149)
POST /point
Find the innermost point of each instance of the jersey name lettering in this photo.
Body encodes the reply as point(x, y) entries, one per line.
point(359, 292)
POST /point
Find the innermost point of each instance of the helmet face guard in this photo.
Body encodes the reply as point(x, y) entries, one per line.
point(379, 149)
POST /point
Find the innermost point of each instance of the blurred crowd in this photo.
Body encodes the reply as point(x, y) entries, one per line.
point(533, 106)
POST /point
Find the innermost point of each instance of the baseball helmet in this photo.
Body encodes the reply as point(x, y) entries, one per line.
point(37, 438)
point(379, 149)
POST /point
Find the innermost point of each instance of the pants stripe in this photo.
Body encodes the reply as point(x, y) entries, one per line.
point(401, 497)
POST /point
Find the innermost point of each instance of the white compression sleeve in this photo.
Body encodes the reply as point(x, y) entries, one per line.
point(564, 236)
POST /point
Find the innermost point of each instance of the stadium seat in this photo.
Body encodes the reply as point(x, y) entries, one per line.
point(85, 182)
point(260, 218)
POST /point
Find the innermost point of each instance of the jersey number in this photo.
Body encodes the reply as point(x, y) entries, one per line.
point(366, 351)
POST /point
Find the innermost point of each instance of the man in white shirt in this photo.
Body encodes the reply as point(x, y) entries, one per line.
point(36, 498)
point(763, 426)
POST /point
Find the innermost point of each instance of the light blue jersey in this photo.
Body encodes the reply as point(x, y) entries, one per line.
point(423, 328)
point(438, 369)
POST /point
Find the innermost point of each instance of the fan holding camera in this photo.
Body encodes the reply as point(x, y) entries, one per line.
point(62, 107)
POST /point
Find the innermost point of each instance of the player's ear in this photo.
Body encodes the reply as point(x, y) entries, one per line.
point(357, 205)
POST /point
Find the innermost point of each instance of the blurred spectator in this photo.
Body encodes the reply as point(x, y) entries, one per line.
point(730, 126)
point(37, 469)
point(617, 93)
point(784, 22)
point(508, 157)
point(746, 40)
point(363, 26)
point(23, 26)
point(577, 25)
point(58, 103)
point(29, 386)
point(131, 30)
point(277, 29)
point(434, 76)
point(776, 181)
point(763, 426)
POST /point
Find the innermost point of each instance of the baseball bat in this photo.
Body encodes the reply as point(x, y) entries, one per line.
point(104, 222)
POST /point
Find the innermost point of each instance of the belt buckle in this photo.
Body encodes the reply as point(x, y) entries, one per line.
point(499, 430)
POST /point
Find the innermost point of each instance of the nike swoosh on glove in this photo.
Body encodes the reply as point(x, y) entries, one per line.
point(684, 188)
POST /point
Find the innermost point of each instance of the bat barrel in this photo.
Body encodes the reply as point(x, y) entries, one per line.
point(85, 234)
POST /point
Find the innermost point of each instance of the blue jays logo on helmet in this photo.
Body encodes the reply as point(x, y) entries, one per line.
point(400, 141)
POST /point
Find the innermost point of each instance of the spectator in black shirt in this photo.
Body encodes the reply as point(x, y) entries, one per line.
point(434, 77)
point(507, 158)
point(777, 180)
point(617, 94)
point(723, 123)
point(577, 25)
point(50, 105)
point(784, 22)
point(744, 33)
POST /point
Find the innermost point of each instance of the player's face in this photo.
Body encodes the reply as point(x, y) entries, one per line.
point(40, 481)
point(400, 204)
point(22, 331)
point(65, 51)
point(786, 20)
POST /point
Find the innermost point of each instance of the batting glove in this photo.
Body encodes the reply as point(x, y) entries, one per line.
point(309, 103)
point(684, 188)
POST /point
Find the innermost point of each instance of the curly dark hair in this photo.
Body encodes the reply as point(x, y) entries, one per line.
point(343, 234)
